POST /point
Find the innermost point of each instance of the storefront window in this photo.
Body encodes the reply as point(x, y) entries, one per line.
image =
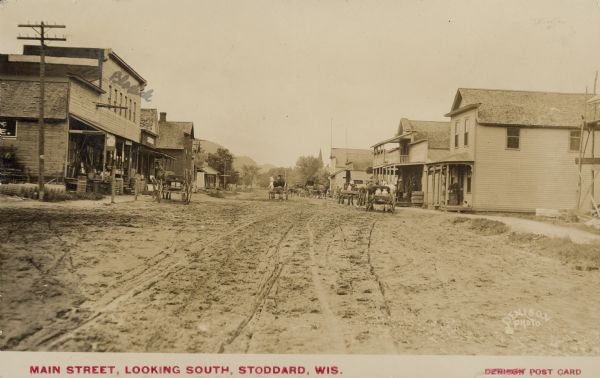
point(8, 129)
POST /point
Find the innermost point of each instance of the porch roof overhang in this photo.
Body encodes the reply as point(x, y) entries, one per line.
point(461, 157)
point(156, 152)
point(97, 126)
point(407, 164)
point(148, 131)
point(395, 139)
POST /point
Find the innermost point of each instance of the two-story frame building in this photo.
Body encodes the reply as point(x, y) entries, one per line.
point(348, 164)
point(176, 139)
point(401, 160)
point(93, 103)
point(509, 151)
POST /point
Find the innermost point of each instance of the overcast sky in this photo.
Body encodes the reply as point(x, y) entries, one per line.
point(265, 78)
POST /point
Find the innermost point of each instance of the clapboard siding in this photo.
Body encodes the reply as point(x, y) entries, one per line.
point(418, 152)
point(26, 147)
point(465, 122)
point(82, 103)
point(108, 69)
point(541, 174)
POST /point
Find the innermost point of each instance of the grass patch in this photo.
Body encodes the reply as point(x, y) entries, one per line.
point(482, 226)
point(488, 227)
point(53, 193)
point(585, 257)
point(216, 193)
point(458, 220)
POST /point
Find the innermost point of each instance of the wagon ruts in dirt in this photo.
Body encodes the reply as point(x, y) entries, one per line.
point(381, 196)
point(169, 183)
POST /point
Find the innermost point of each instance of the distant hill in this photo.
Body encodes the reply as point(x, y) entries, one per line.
point(238, 161)
point(265, 167)
point(209, 147)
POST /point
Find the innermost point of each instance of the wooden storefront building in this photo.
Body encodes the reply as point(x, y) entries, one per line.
point(92, 105)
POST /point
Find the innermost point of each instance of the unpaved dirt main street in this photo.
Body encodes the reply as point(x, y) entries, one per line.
point(244, 274)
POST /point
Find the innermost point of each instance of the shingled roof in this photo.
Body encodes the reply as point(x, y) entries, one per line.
point(353, 158)
point(173, 134)
point(522, 108)
point(435, 132)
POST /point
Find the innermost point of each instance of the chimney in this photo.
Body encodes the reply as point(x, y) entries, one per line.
point(163, 117)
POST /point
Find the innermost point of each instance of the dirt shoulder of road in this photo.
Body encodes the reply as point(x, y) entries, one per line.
point(244, 274)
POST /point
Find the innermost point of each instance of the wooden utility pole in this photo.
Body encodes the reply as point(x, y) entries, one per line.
point(42, 38)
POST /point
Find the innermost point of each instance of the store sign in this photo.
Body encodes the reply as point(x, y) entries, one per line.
point(111, 142)
point(150, 140)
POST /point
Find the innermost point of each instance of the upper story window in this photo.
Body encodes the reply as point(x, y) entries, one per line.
point(8, 128)
point(110, 95)
point(130, 109)
point(126, 110)
point(115, 100)
point(404, 148)
point(134, 109)
point(574, 140)
point(456, 134)
point(466, 135)
point(120, 103)
point(513, 135)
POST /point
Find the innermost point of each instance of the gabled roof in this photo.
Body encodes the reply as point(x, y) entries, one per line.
point(172, 135)
point(435, 132)
point(522, 108)
point(352, 158)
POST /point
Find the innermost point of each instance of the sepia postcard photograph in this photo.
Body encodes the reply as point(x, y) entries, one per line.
point(292, 188)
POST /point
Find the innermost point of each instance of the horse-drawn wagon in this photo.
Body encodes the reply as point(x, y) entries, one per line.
point(167, 183)
point(278, 189)
point(379, 195)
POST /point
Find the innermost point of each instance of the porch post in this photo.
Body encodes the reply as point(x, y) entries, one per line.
point(123, 159)
point(425, 196)
point(104, 157)
point(440, 185)
point(129, 161)
point(66, 170)
point(447, 184)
